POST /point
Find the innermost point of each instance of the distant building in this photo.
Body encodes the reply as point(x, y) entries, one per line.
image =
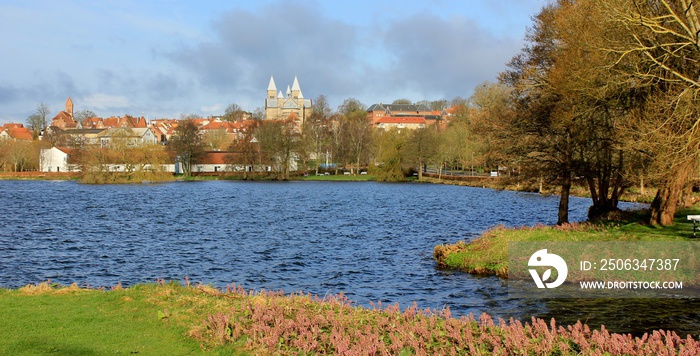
point(280, 107)
point(12, 131)
point(131, 137)
point(65, 119)
point(401, 123)
point(56, 159)
point(388, 115)
point(79, 137)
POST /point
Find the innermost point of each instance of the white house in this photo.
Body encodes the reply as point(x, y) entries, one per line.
point(55, 159)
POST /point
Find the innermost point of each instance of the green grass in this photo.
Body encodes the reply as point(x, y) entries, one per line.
point(488, 254)
point(148, 320)
point(171, 319)
point(340, 178)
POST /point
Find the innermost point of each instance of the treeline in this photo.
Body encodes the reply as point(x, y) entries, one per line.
point(605, 91)
point(346, 139)
point(122, 162)
point(20, 155)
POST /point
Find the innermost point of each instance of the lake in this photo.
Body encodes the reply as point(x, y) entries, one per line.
point(371, 241)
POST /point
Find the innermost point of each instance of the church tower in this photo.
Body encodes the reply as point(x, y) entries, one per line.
point(69, 107)
point(271, 89)
point(280, 106)
point(296, 90)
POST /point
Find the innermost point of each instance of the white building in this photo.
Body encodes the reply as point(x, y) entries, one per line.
point(55, 159)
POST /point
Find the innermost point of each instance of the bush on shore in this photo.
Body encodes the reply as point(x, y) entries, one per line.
point(301, 324)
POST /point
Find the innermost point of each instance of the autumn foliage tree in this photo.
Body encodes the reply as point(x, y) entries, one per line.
point(422, 148)
point(187, 145)
point(656, 54)
point(543, 129)
point(316, 130)
point(278, 140)
point(244, 151)
point(390, 155)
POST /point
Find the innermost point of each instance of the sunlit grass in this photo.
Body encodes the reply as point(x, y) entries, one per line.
point(151, 320)
point(171, 319)
point(488, 254)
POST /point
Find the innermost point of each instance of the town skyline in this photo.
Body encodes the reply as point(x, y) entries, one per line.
point(163, 59)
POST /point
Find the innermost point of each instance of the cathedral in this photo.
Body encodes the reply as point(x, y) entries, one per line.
point(282, 107)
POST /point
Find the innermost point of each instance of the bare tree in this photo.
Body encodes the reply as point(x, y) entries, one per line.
point(422, 148)
point(82, 115)
point(244, 151)
point(278, 142)
point(656, 53)
point(234, 113)
point(357, 130)
point(351, 105)
point(187, 144)
point(37, 122)
point(20, 154)
point(316, 130)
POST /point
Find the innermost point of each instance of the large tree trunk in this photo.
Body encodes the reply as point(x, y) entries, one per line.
point(563, 215)
point(665, 204)
point(420, 169)
point(606, 189)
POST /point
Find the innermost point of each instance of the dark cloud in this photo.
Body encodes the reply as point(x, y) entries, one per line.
point(444, 57)
point(43, 87)
point(281, 40)
point(423, 56)
point(64, 83)
point(166, 86)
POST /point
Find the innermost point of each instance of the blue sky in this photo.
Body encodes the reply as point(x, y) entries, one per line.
point(170, 57)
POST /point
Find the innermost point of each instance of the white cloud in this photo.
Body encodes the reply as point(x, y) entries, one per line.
point(105, 102)
point(216, 109)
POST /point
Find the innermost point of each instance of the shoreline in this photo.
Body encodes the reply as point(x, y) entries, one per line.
point(500, 183)
point(167, 317)
point(487, 254)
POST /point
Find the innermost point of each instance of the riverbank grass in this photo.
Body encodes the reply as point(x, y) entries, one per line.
point(171, 319)
point(146, 319)
point(339, 178)
point(488, 254)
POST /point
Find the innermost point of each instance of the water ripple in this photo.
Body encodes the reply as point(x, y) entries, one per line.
point(371, 241)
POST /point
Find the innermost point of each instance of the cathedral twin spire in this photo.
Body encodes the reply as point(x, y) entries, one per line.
point(294, 91)
point(279, 106)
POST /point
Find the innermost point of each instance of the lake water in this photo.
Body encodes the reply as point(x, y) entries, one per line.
point(371, 241)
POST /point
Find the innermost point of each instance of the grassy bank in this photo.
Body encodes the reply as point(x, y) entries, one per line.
point(171, 319)
point(488, 254)
point(34, 175)
point(632, 194)
point(72, 321)
point(339, 178)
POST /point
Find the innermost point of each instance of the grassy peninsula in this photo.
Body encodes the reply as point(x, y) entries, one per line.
point(488, 254)
point(172, 319)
